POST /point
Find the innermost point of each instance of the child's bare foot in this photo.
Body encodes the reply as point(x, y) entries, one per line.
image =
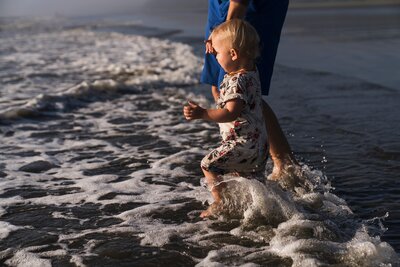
point(210, 211)
point(206, 213)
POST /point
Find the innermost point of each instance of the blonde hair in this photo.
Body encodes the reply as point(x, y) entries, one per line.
point(240, 35)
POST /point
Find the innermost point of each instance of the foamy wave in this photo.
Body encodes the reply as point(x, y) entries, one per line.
point(97, 62)
point(6, 229)
point(307, 224)
point(114, 176)
point(25, 258)
point(63, 100)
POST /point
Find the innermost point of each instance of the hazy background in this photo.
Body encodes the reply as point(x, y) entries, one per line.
point(353, 38)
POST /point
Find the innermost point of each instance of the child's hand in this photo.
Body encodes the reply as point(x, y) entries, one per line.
point(193, 111)
point(209, 47)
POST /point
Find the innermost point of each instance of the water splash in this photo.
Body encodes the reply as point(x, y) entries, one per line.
point(300, 219)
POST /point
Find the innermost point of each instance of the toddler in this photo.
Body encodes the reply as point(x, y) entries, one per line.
point(238, 112)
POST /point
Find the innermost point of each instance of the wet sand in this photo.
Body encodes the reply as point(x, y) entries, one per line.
point(361, 42)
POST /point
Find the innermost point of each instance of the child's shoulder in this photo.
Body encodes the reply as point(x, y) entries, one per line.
point(233, 76)
point(241, 76)
point(242, 73)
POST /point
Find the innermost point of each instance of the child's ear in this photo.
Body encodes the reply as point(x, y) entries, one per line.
point(234, 54)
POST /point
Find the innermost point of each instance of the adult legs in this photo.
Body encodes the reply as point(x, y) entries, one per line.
point(279, 148)
point(268, 18)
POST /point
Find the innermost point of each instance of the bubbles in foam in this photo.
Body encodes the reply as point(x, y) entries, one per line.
point(6, 228)
point(127, 61)
point(255, 202)
point(308, 222)
point(24, 258)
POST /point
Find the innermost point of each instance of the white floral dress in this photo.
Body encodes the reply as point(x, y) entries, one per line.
point(244, 141)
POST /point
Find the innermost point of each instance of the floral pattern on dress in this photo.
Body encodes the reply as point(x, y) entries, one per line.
point(244, 141)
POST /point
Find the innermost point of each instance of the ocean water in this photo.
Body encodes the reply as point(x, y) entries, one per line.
point(99, 168)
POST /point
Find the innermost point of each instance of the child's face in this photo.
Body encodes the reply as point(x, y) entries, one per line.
point(225, 55)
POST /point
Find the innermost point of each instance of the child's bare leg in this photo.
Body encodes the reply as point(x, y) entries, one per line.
point(279, 148)
point(212, 179)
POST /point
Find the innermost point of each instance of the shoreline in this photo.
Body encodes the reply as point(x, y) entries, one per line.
point(359, 41)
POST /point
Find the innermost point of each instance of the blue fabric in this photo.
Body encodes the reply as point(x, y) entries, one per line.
point(267, 17)
point(212, 72)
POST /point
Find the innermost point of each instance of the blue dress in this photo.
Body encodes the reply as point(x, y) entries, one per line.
point(267, 17)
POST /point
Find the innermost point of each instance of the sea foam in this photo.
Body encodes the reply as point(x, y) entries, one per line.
point(99, 115)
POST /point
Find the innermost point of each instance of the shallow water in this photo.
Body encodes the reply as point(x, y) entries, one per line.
point(99, 168)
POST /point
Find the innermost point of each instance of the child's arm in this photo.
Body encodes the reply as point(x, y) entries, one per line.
point(215, 93)
point(230, 112)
